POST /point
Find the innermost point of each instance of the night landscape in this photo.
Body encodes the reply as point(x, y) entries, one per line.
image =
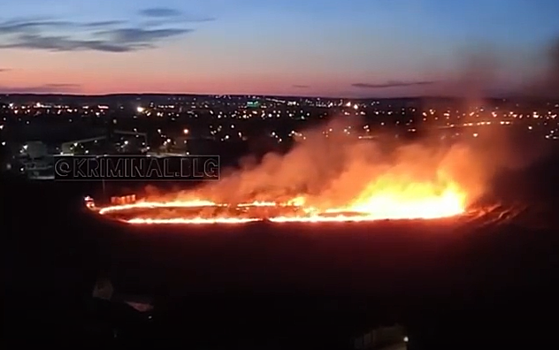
point(393, 191)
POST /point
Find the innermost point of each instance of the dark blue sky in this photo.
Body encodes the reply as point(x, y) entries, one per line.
point(265, 46)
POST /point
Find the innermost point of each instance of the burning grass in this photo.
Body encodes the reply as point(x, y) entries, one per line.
point(330, 177)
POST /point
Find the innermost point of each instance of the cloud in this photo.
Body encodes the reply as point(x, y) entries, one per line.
point(61, 43)
point(164, 13)
point(101, 24)
point(2, 70)
point(59, 85)
point(140, 36)
point(391, 84)
point(107, 36)
point(160, 12)
point(301, 86)
point(41, 89)
point(30, 25)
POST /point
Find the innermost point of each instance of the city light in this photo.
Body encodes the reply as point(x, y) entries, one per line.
point(223, 121)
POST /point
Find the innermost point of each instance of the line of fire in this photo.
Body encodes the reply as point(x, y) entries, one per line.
point(362, 162)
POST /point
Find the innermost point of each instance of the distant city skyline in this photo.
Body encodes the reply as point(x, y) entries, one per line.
point(346, 48)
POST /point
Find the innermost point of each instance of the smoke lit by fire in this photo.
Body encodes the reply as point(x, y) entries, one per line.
point(329, 178)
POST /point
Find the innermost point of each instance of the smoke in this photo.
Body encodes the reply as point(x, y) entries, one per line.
point(488, 70)
point(477, 73)
point(553, 70)
point(332, 169)
point(545, 83)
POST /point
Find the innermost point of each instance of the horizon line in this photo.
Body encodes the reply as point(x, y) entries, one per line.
point(69, 94)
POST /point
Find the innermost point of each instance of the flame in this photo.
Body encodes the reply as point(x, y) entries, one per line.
point(154, 205)
point(420, 202)
point(195, 221)
point(417, 201)
point(329, 179)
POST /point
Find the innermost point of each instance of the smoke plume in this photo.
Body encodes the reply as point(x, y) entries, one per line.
point(546, 83)
point(331, 169)
point(339, 170)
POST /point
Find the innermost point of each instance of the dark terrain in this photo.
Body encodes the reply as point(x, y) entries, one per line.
point(488, 283)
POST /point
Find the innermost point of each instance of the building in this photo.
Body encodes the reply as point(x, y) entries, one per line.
point(35, 157)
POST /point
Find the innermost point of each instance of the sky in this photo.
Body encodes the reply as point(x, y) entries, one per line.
point(295, 47)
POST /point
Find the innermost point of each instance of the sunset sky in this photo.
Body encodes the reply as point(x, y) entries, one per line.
point(303, 47)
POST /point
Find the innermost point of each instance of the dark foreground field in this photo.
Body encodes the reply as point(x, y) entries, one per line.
point(485, 282)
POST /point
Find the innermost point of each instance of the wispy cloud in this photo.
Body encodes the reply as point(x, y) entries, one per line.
point(391, 84)
point(103, 24)
point(160, 12)
point(41, 89)
point(29, 25)
point(298, 86)
point(2, 70)
point(108, 36)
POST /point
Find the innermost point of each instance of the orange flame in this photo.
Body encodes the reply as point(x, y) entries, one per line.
point(420, 202)
point(328, 180)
